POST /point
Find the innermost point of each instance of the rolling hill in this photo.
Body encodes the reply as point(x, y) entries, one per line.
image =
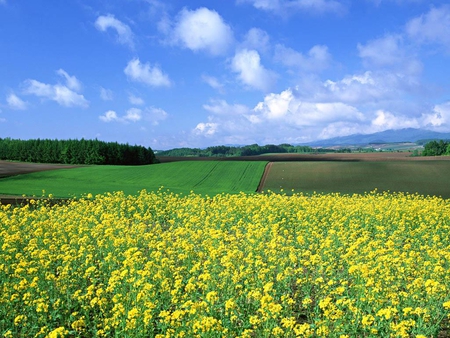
point(387, 136)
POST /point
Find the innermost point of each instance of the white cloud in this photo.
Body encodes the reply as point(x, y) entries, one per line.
point(106, 94)
point(135, 100)
point(68, 98)
point(364, 88)
point(432, 27)
point(358, 103)
point(294, 110)
point(14, 102)
point(145, 73)
point(378, 2)
point(71, 81)
point(438, 118)
point(213, 82)
point(150, 114)
point(383, 51)
point(221, 107)
point(318, 58)
point(257, 39)
point(206, 129)
point(133, 115)
point(109, 116)
point(202, 30)
point(228, 123)
point(247, 63)
point(390, 52)
point(124, 33)
point(287, 6)
point(386, 120)
point(61, 94)
point(155, 115)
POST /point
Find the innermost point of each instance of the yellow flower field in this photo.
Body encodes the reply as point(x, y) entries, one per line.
point(261, 265)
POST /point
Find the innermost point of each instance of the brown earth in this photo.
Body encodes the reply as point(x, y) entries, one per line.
point(16, 168)
point(262, 182)
point(376, 156)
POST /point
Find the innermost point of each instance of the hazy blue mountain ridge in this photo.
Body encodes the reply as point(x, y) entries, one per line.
point(387, 136)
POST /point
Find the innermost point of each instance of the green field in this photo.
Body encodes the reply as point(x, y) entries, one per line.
point(206, 177)
point(423, 177)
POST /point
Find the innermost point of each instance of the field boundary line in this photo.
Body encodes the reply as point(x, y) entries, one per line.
point(262, 182)
point(206, 176)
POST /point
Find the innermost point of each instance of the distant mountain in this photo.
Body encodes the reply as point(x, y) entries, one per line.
point(387, 136)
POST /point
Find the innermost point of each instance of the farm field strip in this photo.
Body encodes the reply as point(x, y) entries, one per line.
point(178, 177)
point(424, 177)
point(233, 265)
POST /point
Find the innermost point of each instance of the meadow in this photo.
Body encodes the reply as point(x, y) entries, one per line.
point(206, 177)
point(424, 177)
point(204, 256)
point(161, 264)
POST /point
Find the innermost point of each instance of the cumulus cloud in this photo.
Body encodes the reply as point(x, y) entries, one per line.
point(294, 110)
point(228, 123)
point(202, 30)
point(71, 81)
point(124, 33)
point(145, 73)
point(391, 52)
point(287, 6)
point(221, 107)
point(365, 102)
point(257, 39)
point(432, 27)
point(438, 118)
point(317, 59)
point(135, 100)
point(364, 88)
point(383, 51)
point(64, 95)
point(133, 115)
point(106, 94)
point(213, 82)
point(247, 63)
point(109, 116)
point(14, 102)
point(206, 129)
point(384, 120)
point(155, 115)
point(378, 2)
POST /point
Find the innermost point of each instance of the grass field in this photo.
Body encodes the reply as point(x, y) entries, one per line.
point(423, 177)
point(206, 177)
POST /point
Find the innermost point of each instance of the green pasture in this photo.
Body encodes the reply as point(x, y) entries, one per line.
point(423, 177)
point(203, 177)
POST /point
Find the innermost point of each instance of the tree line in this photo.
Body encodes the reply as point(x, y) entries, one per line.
point(249, 150)
point(436, 148)
point(74, 152)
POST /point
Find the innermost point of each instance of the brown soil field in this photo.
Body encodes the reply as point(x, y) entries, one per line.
point(376, 156)
point(16, 168)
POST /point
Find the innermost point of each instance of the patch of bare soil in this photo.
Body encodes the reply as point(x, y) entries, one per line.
point(16, 168)
point(376, 156)
point(262, 182)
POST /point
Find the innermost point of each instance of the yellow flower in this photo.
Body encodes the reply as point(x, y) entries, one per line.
point(58, 333)
point(212, 297)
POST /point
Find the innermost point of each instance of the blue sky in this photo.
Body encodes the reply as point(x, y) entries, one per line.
point(174, 73)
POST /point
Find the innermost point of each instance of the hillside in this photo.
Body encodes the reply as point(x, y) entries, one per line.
point(387, 136)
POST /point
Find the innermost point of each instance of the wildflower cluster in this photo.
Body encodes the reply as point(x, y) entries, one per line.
point(164, 265)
